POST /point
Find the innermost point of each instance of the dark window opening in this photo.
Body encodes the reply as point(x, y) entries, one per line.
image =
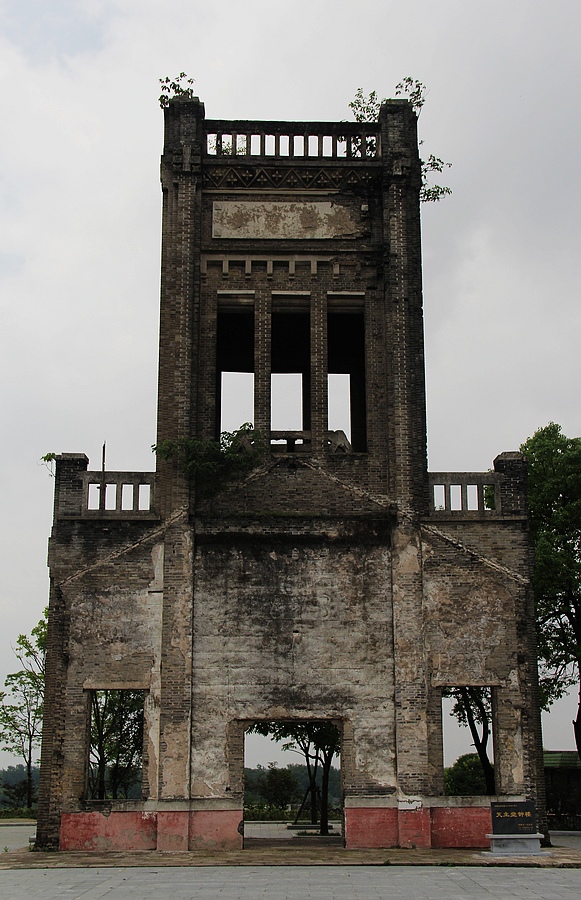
point(234, 366)
point(291, 376)
point(346, 356)
point(116, 745)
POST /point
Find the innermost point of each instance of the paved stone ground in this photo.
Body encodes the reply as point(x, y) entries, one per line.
point(281, 869)
point(14, 834)
point(292, 883)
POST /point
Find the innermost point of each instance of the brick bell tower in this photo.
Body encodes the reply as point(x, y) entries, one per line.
point(335, 580)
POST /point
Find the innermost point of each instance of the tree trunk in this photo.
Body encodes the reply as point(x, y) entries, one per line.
point(480, 742)
point(29, 780)
point(325, 795)
point(313, 789)
point(302, 806)
point(577, 725)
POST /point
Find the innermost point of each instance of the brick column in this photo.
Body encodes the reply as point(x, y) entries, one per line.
point(318, 398)
point(181, 168)
point(69, 500)
point(412, 737)
point(408, 482)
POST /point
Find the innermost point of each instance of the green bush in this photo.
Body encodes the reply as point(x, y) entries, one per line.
point(260, 812)
point(20, 813)
point(465, 778)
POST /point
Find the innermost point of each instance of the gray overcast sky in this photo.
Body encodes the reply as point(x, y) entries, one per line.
point(80, 216)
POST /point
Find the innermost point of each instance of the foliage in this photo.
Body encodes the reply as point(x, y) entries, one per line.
point(23, 812)
point(317, 742)
point(21, 704)
point(473, 709)
point(366, 109)
point(115, 753)
point(210, 463)
point(277, 786)
point(181, 86)
point(48, 461)
point(14, 789)
point(262, 812)
point(465, 778)
point(252, 778)
point(16, 795)
point(554, 493)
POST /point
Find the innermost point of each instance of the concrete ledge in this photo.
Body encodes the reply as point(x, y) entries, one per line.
point(515, 844)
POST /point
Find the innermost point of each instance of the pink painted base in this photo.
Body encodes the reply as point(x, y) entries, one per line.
point(371, 828)
point(166, 831)
point(414, 828)
point(436, 827)
point(117, 831)
point(218, 829)
point(173, 831)
point(461, 827)
point(215, 830)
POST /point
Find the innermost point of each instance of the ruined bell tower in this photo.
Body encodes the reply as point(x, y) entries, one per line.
point(336, 579)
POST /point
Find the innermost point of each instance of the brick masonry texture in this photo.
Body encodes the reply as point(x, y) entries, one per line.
point(325, 583)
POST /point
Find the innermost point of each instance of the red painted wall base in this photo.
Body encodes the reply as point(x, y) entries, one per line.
point(116, 831)
point(167, 831)
point(367, 828)
point(465, 826)
point(371, 828)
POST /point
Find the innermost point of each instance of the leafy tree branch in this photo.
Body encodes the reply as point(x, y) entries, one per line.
point(366, 109)
point(209, 464)
point(180, 86)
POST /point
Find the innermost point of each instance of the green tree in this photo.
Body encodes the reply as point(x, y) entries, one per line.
point(21, 704)
point(209, 464)
point(366, 109)
point(277, 786)
point(466, 777)
point(116, 747)
point(318, 743)
point(554, 493)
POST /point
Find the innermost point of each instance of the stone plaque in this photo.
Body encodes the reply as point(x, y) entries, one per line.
point(278, 220)
point(514, 818)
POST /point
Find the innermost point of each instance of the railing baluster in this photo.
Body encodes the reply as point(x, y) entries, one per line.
point(361, 143)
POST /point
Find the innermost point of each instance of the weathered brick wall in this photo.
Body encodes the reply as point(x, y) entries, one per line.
point(104, 632)
point(321, 585)
point(293, 628)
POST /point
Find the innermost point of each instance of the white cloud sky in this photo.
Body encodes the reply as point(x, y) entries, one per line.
point(80, 215)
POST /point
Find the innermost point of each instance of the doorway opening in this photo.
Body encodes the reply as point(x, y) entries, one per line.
point(468, 741)
point(292, 783)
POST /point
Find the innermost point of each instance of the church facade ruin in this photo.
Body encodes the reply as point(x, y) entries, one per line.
point(335, 579)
